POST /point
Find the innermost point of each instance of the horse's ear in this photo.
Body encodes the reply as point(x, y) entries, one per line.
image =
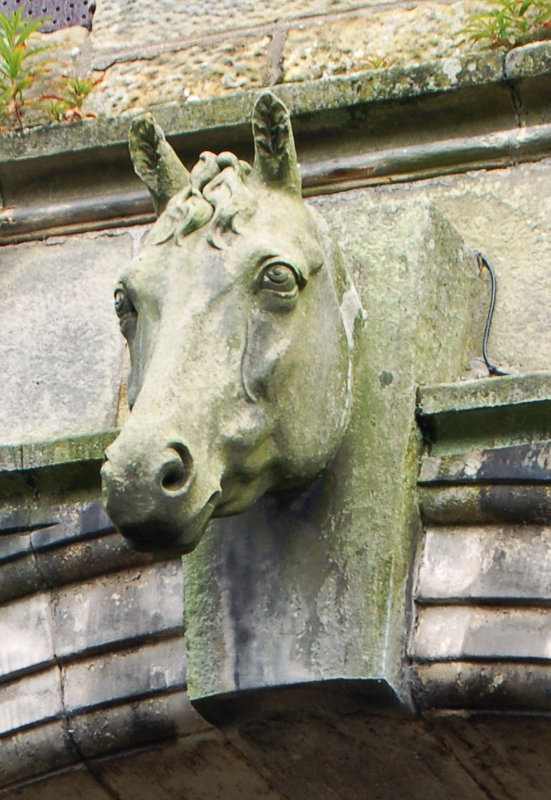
point(275, 157)
point(155, 162)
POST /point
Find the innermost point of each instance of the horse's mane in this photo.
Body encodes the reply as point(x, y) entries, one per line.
point(217, 191)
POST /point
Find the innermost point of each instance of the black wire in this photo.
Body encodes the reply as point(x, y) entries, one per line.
point(492, 369)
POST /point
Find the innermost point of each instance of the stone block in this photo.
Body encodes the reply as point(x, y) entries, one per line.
point(504, 213)
point(19, 577)
point(142, 671)
point(313, 587)
point(470, 564)
point(458, 633)
point(130, 604)
point(79, 561)
point(59, 338)
point(528, 70)
point(136, 724)
point(34, 751)
point(69, 523)
point(30, 700)
point(25, 633)
point(499, 687)
point(14, 545)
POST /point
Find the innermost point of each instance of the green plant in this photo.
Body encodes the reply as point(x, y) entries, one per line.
point(55, 109)
point(67, 103)
point(510, 23)
point(380, 62)
point(19, 66)
point(75, 90)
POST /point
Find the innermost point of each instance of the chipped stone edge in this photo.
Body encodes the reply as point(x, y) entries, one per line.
point(55, 452)
point(484, 393)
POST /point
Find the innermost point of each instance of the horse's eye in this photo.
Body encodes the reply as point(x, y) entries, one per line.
point(126, 313)
point(278, 278)
point(123, 304)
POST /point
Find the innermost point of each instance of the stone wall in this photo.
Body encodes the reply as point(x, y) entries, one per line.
point(144, 54)
point(395, 119)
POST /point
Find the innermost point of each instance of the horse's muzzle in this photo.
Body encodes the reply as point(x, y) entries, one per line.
point(151, 496)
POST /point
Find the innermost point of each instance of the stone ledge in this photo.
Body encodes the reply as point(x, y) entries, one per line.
point(484, 393)
point(364, 128)
point(55, 452)
point(308, 97)
point(38, 479)
point(484, 414)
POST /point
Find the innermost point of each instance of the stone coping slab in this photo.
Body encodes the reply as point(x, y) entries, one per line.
point(33, 475)
point(485, 414)
point(304, 98)
point(372, 127)
point(56, 452)
point(485, 393)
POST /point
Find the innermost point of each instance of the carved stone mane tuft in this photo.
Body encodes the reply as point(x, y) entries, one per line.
point(217, 191)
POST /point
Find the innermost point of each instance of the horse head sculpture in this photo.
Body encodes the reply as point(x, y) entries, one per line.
point(240, 317)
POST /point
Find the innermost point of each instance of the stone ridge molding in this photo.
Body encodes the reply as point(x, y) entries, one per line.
point(93, 658)
point(481, 632)
point(489, 451)
point(390, 114)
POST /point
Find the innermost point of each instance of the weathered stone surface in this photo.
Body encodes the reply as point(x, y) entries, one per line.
point(470, 564)
point(332, 45)
point(82, 560)
point(313, 588)
point(34, 751)
point(135, 25)
point(124, 605)
point(517, 247)
point(483, 686)
point(184, 75)
point(142, 671)
point(463, 633)
point(396, 36)
point(480, 505)
point(214, 769)
point(59, 339)
point(31, 699)
point(519, 463)
point(531, 59)
point(492, 394)
point(73, 782)
point(19, 576)
point(138, 723)
point(25, 633)
point(313, 97)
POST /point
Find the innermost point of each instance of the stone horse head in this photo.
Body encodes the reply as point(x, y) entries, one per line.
point(240, 317)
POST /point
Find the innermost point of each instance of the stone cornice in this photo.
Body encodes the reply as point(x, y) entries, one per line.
point(477, 112)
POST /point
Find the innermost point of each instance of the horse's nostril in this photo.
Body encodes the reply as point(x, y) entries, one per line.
point(176, 472)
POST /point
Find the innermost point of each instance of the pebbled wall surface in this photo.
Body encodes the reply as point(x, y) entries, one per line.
point(145, 54)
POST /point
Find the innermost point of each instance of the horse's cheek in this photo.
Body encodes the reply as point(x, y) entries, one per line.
point(266, 344)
